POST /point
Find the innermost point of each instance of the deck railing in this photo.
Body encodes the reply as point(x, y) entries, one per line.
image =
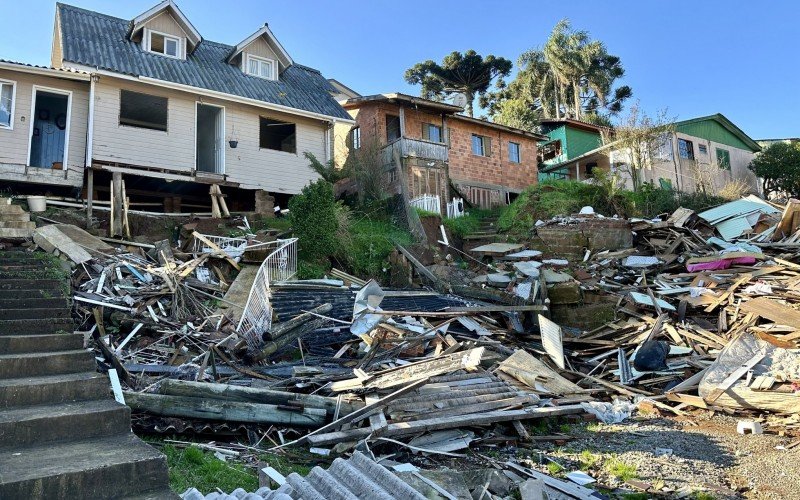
point(280, 265)
point(414, 148)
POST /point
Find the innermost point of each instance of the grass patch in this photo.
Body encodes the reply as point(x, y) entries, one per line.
point(589, 460)
point(192, 467)
point(636, 496)
point(286, 464)
point(621, 470)
point(702, 495)
point(554, 468)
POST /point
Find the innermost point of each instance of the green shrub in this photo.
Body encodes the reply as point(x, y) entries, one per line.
point(313, 216)
point(366, 254)
point(469, 223)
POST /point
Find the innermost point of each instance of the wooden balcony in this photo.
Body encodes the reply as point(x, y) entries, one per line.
point(414, 148)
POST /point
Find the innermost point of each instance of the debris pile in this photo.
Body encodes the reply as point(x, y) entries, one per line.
point(702, 316)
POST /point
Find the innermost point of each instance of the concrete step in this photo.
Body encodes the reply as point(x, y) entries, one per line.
point(34, 302)
point(12, 232)
point(32, 294)
point(45, 363)
point(53, 389)
point(16, 217)
point(10, 208)
point(16, 224)
point(34, 313)
point(40, 326)
point(21, 344)
point(20, 255)
point(103, 468)
point(32, 284)
point(51, 423)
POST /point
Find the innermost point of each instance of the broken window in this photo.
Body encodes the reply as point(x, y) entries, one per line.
point(6, 104)
point(142, 110)
point(392, 128)
point(164, 44)
point(723, 158)
point(277, 135)
point(686, 149)
point(702, 149)
point(481, 145)
point(431, 132)
point(513, 152)
point(355, 138)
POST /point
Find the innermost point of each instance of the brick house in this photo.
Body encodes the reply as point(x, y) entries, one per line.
point(486, 163)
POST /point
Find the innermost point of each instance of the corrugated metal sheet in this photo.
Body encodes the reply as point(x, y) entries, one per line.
point(735, 209)
point(97, 40)
point(352, 479)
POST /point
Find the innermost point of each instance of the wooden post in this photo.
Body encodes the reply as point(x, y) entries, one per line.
point(215, 211)
point(89, 197)
point(116, 204)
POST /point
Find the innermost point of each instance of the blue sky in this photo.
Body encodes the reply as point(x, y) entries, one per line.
point(692, 57)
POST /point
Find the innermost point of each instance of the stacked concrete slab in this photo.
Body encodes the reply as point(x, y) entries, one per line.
point(62, 435)
point(15, 222)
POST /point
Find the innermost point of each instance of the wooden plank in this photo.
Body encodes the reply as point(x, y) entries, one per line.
point(418, 426)
point(773, 310)
point(224, 411)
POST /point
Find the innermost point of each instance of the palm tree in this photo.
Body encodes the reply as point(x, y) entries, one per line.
point(467, 73)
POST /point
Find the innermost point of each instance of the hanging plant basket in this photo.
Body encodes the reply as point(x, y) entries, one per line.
point(233, 144)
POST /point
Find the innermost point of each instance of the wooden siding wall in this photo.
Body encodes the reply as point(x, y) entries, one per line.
point(174, 149)
point(165, 23)
point(686, 178)
point(260, 48)
point(14, 142)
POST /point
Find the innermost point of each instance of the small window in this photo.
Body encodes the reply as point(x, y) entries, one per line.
point(723, 158)
point(277, 135)
point(513, 152)
point(702, 149)
point(355, 138)
point(6, 104)
point(431, 132)
point(142, 110)
point(165, 45)
point(260, 67)
point(686, 149)
point(392, 128)
point(481, 145)
point(664, 150)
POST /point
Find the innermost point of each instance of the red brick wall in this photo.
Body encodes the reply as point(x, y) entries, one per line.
point(371, 118)
point(495, 169)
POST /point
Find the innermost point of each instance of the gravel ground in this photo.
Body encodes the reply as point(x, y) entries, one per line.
point(707, 454)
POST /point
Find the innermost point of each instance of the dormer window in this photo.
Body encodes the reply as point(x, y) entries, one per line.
point(260, 67)
point(163, 44)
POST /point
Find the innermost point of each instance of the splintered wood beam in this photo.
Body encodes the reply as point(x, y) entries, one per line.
point(433, 424)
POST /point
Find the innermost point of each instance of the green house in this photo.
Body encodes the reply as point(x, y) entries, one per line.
point(567, 139)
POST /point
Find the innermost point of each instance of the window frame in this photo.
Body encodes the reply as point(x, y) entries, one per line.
point(426, 127)
point(133, 125)
point(13, 84)
point(355, 138)
point(483, 141)
point(261, 120)
point(519, 152)
point(149, 46)
point(726, 157)
point(399, 127)
point(702, 149)
point(689, 149)
point(261, 60)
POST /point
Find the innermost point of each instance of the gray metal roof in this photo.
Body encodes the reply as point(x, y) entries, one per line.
point(100, 41)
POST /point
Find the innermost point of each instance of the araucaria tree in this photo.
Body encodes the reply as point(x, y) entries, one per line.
point(468, 73)
point(779, 167)
point(571, 76)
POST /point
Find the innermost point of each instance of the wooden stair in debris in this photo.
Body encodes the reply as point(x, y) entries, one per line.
point(15, 222)
point(62, 435)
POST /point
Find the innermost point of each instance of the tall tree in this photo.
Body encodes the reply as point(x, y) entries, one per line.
point(779, 166)
point(641, 139)
point(571, 76)
point(468, 73)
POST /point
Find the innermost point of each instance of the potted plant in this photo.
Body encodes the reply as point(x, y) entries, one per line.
point(233, 141)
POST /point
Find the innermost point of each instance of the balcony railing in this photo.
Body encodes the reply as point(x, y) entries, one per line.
point(415, 148)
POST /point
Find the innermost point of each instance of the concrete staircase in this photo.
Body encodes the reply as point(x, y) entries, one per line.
point(487, 231)
point(15, 222)
point(62, 435)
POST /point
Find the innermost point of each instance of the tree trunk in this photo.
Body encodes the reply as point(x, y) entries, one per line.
point(576, 95)
point(555, 88)
point(470, 97)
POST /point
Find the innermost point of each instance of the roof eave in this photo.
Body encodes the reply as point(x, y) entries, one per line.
point(186, 25)
point(729, 126)
point(264, 30)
